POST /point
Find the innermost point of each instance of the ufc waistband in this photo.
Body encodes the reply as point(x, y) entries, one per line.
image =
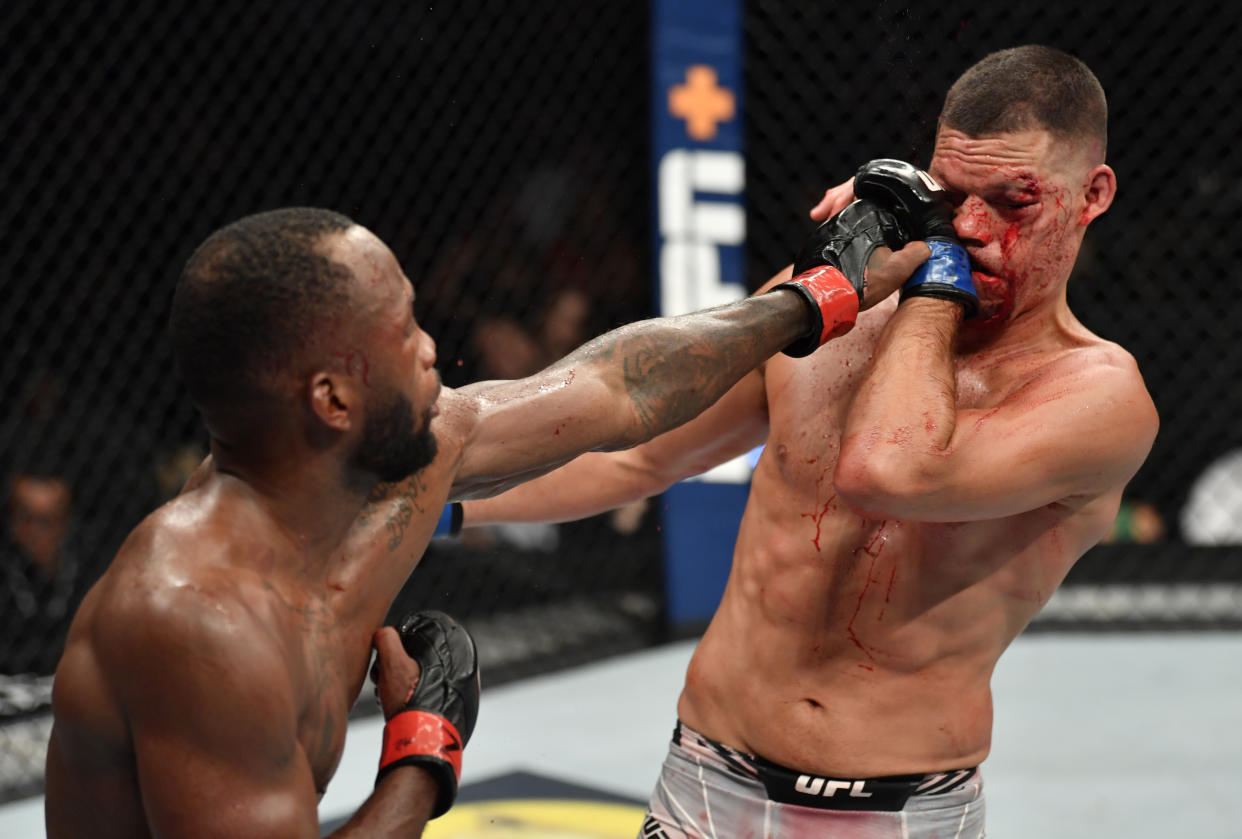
point(805, 789)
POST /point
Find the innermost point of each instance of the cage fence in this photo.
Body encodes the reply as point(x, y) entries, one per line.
point(502, 151)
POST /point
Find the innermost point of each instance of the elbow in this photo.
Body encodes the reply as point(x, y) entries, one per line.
point(643, 476)
point(880, 485)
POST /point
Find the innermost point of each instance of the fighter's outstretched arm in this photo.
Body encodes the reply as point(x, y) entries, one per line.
point(1078, 428)
point(642, 380)
point(614, 392)
point(630, 386)
point(600, 481)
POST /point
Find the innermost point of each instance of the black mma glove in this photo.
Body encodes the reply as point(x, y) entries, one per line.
point(830, 270)
point(439, 717)
point(924, 212)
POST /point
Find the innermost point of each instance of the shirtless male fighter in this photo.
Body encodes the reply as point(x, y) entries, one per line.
point(208, 675)
point(926, 484)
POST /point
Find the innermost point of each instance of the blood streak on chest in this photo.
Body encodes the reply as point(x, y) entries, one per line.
point(872, 549)
point(888, 593)
point(818, 514)
point(979, 423)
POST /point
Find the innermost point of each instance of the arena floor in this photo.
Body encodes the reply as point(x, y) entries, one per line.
point(1097, 735)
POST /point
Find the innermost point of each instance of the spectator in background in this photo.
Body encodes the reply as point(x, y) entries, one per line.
point(545, 269)
point(505, 347)
point(565, 324)
point(1137, 522)
point(41, 568)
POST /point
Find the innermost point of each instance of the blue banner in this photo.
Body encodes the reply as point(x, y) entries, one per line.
point(699, 174)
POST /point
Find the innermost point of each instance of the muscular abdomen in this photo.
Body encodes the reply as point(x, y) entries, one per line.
point(862, 647)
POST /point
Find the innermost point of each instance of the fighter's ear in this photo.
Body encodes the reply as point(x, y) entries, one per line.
point(1098, 191)
point(334, 400)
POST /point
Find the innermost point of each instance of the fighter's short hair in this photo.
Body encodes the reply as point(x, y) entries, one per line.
point(249, 297)
point(1029, 87)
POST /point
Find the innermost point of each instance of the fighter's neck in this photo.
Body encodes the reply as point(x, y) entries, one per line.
point(1044, 322)
point(308, 504)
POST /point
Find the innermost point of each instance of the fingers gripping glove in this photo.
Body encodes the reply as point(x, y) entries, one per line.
point(830, 271)
point(439, 717)
point(924, 212)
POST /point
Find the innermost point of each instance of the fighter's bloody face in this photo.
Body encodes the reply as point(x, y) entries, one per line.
point(1020, 213)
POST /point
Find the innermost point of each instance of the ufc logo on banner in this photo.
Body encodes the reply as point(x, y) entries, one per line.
point(693, 230)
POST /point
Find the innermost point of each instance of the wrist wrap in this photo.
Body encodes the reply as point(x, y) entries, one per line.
point(946, 274)
point(924, 211)
point(832, 301)
point(439, 715)
point(429, 741)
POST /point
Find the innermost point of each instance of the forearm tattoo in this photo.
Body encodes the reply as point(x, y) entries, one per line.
point(674, 368)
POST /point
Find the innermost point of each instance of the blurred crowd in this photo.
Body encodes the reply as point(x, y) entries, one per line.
point(546, 269)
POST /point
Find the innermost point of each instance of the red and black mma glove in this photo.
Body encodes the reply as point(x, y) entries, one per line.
point(439, 717)
point(830, 270)
point(923, 209)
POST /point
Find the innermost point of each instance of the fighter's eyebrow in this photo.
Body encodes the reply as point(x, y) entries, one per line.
point(954, 195)
point(1020, 182)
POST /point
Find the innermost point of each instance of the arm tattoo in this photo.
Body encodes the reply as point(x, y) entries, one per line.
point(674, 368)
point(402, 502)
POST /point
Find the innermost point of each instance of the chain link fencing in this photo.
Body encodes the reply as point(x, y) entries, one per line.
point(499, 150)
point(502, 152)
point(831, 85)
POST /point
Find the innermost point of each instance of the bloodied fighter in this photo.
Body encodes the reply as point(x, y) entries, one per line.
point(927, 482)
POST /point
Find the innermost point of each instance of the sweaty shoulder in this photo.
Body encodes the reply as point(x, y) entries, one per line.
point(163, 631)
point(1107, 363)
point(1110, 389)
point(174, 601)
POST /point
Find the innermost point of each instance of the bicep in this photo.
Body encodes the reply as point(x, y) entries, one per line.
point(525, 427)
point(508, 442)
point(213, 723)
point(599, 481)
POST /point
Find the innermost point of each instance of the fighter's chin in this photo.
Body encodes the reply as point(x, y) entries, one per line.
point(995, 297)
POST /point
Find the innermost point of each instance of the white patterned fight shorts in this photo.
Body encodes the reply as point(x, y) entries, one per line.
point(708, 790)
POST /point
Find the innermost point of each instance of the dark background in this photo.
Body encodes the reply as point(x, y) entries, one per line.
point(501, 149)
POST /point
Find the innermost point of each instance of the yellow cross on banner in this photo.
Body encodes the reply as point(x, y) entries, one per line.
point(701, 102)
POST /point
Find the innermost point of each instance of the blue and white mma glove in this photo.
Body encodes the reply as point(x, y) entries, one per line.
point(923, 209)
